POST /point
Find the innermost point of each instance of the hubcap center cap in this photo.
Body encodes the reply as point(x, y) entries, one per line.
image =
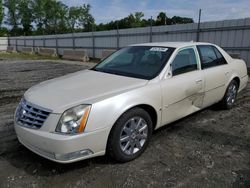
point(133, 135)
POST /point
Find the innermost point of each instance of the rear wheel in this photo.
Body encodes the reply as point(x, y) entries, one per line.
point(130, 135)
point(229, 98)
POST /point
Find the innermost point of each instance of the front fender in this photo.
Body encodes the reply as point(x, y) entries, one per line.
point(105, 113)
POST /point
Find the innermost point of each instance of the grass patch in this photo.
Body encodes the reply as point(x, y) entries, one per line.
point(22, 56)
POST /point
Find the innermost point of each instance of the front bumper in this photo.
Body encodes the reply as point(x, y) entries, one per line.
point(63, 148)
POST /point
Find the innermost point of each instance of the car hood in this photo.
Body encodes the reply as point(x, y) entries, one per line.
point(83, 87)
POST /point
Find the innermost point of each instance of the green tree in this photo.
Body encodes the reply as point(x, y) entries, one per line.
point(50, 19)
point(12, 18)
point(181, 20)
point(131, 21)
point(101, 27)
point(80, 19)
point(56, 17)
point(25, 15)
point(1, 12)
point(162, 19)
point(38, 9)
point(148, 22)
point(62, 18)
point(87, 21)
point(4, 32)
point(73, 16)
point(50, 16)
point(138, 19)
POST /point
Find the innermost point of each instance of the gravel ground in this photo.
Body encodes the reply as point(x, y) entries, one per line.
point(210, 148)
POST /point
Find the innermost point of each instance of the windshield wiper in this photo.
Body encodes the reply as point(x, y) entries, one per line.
point(94, 69)
point(105, 71)
point(110, 72)
point(119, 73)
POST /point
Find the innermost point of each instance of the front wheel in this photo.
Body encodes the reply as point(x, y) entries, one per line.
point(229, 98)
point(130, 135)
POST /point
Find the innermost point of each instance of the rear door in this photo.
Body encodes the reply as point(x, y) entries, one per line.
point(182, 94)
point(216, 71)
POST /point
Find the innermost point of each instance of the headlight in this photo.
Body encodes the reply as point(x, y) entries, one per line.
point(74, 120)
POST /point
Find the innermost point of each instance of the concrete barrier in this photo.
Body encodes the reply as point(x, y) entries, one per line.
point(106, 53)
point(47, 51)
point(11, 49)
point(27, 50)
point(80, 55)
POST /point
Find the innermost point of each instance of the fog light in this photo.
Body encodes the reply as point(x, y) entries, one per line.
point(73, 155)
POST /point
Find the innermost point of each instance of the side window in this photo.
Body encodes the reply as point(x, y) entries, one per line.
point(210, 56)
point(185, 61)
point(221, 60)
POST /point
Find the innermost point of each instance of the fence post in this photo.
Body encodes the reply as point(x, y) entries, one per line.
point(8, 41)
point(150, 34)
point(43, 39)
point(56, 44)
point(33, 45)
point(73, 40)
point(118, 37)
point(24, 39)
point(93, 42)
point(16, 43)
point(198, 28)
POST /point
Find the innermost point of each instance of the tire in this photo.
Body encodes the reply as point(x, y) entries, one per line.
point(230, 96)
point(130, 135)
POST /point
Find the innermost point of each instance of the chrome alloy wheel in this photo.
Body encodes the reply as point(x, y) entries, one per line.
point(133, 135)
point(231, 94)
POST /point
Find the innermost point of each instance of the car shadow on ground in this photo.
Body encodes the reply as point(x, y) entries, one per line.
point(22, 158)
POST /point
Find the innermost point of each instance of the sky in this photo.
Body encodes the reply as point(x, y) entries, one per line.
point(212, 10)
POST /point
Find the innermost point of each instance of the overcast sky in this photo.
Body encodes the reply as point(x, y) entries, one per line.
point(107, 10)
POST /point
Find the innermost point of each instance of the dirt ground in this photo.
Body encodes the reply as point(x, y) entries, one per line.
point(208, 149)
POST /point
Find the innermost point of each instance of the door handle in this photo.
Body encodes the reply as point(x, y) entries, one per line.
point(198, 81)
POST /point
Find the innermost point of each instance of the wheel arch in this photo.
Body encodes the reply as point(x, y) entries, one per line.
point(234, 77)
point(148, 108)
point(151, 112)
point(237, 79)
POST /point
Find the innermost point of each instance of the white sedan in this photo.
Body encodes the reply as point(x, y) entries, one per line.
point(114, 107)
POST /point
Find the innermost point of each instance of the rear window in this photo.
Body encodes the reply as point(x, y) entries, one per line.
point(210, 56)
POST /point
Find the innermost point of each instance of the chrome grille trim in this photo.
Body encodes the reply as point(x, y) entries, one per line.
point(31, 115)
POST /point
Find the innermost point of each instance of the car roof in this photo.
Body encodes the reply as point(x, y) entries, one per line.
point(172, 44)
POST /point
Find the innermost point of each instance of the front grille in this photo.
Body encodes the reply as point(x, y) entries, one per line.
point(30, 115)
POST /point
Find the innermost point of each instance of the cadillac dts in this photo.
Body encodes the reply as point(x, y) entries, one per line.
point(114, 107)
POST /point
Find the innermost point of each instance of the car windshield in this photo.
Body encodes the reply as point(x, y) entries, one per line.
point(143, 62)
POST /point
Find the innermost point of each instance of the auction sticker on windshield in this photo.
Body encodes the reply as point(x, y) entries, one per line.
point(158, 49)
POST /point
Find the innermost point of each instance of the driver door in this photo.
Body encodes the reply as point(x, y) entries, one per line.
point(183, 91)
